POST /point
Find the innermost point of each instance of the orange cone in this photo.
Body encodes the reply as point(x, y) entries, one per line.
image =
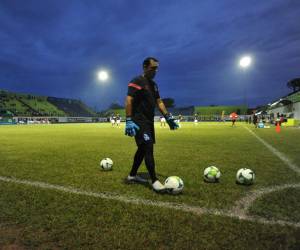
point(278, 128)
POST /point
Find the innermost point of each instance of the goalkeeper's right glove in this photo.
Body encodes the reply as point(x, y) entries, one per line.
point(131, 128)
point(171, 121)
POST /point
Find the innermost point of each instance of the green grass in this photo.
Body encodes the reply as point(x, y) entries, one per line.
point(69, 155)
point(287, 141)
point(38, 219)
point(282, 205)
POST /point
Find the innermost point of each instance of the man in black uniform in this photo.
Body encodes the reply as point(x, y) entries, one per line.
point(142, 97)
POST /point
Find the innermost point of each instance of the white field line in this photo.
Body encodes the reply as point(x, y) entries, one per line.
point(132, 200)
point(280, 155)
point(242, 206)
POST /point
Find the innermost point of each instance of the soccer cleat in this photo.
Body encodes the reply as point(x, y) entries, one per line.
point(158, 187)
point(136, 179)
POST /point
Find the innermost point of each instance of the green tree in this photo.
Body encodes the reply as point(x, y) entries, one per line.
point(169, 102)
point(294, 84)
point(115, 105)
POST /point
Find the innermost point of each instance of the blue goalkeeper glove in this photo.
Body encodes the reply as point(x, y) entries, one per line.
point(131, 128)
point(171, 122)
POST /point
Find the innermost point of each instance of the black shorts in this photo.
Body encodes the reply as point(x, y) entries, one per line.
point(145, 135)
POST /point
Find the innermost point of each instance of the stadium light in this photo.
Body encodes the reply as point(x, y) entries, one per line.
point(103, 75)
point(245, 61)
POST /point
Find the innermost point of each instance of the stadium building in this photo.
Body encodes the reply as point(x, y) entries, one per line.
point(288, 107)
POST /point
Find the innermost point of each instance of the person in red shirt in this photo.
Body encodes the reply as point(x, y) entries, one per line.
point(233, 117)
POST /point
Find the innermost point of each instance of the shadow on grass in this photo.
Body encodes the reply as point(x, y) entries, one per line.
point(145, 176)
point(148, 184)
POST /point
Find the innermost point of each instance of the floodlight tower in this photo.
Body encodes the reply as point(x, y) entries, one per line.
point(245, 63)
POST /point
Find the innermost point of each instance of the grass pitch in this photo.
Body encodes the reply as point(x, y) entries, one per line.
point(68, 155)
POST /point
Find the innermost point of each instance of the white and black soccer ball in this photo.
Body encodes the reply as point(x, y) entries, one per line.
point(174, 184)
point(106, 164)
point(211, 174)
point(245, 176)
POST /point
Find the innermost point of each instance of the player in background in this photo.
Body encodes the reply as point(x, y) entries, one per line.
point(162, 121)
point(142, 98)
point(113, 120)
point(179, 117)
point(118, 120)
point(223, 116)
point(196, 119)
point(179, 120)
point(233, 117)
point(255, 118)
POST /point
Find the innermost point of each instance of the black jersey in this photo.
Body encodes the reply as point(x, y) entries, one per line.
point(145, 93)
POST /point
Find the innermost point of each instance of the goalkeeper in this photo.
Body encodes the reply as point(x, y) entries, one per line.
point(142, 98)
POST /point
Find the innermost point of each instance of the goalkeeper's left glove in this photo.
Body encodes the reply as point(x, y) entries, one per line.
point(171, 121)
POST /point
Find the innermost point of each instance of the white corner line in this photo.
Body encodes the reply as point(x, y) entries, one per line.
point(280, 155)
point(137, 201)
point(242, 206)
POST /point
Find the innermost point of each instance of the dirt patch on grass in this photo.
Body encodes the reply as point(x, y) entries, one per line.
point(9, 237)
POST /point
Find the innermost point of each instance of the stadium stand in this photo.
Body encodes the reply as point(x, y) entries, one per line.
point(40, 106)
point(25, 105)
point(8, 102)
point(71, 107)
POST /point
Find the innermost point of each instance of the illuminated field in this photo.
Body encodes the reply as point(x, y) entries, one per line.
point(98, 210)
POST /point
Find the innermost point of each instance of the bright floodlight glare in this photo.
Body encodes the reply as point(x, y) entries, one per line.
point(102, 75)
point(245, 61)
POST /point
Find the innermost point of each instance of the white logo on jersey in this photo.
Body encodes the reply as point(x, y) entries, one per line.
point(146, 137)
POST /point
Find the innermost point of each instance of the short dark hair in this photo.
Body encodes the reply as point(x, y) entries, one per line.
point(146, 62)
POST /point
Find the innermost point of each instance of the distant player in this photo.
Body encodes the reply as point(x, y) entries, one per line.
point(233, 122)
point(113, 120)
point(196, 119)
point(223, 116)
point(233, 117)
point(179, 120)
point(162, 121)
point(118, 120)
point(255, 120)
point(281, 119)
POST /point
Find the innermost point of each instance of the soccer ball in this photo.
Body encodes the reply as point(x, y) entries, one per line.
point(245, 176)
point(106, 164)
point(212, 174)
point(174, 184)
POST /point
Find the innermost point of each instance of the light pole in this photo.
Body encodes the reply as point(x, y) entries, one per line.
point(244, 63)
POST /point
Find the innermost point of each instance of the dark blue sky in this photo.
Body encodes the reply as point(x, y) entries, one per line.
point(55, 48)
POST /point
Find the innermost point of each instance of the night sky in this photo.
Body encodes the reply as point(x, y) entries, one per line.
point(56, 47)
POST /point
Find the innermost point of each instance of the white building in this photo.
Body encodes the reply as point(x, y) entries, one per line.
point(289, 106)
